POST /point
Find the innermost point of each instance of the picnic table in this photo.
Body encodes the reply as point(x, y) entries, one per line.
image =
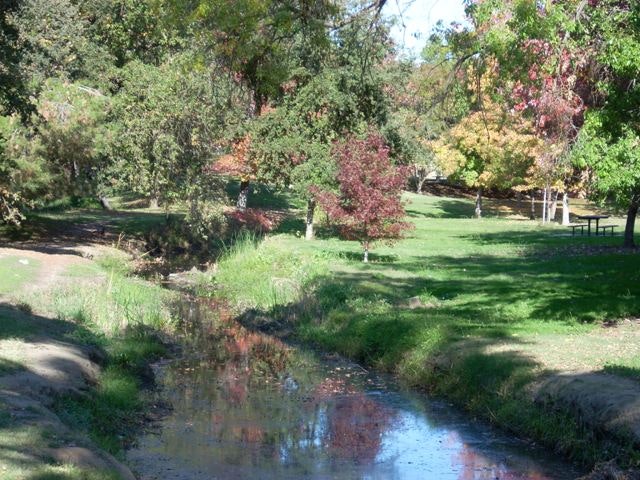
point(589, 218)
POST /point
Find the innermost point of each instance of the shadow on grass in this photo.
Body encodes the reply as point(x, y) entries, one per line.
point(15, 323)
point(55, 231)
point(291, 225)
point(444, 209)
point(547, 240)
point(465, 208)
point(365, 310)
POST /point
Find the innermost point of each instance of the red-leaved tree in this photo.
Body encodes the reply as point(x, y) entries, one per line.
point(368, 206)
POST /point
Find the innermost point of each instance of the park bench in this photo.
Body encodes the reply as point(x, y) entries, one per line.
point(577, 225)
point(604, 229)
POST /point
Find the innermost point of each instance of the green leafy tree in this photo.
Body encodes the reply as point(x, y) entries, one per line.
point(172, 120)
point(291, 144)
point(13, 94)
point(71, 125)
point(608, 142)
point(25, 177)
point(132, 30)
point(50, 35)
point(254, 38)
point(614, 162)
point(417, 114)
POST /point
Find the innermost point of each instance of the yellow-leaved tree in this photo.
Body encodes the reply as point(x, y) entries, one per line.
point(489, 148)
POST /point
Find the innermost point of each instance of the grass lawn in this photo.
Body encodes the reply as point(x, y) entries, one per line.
point(477, 310)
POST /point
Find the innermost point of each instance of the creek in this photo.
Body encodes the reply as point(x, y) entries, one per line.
point(245, 405)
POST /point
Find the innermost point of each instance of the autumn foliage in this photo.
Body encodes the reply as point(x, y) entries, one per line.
point(368, 206)
point(237, 163)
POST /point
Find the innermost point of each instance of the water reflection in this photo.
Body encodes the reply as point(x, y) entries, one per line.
point(246, 405)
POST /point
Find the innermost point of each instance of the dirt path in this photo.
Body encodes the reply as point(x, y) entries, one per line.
point(53, 265)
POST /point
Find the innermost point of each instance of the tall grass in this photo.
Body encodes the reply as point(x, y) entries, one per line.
point(107, 299)
point(263, 275)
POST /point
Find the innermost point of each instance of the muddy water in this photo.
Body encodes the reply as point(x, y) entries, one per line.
point(247, 406)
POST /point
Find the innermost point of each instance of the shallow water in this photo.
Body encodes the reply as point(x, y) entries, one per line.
point(247, 406)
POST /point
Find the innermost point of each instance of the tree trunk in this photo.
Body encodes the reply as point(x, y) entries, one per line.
point(366, 252)
point(154, 202)
point(104, 203)
point(553, 206)
point(565, 209)
point(311, 208)
point(243, 196)
point(532, 215)
point(420, 184)
point(629, 241)
point(75, 170)
point(544, 206)
point(478, 211)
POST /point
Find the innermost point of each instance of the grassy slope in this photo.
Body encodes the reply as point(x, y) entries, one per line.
point(497, 294)
point(96, 304)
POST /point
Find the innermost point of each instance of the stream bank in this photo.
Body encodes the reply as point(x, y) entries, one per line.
point(77, 334)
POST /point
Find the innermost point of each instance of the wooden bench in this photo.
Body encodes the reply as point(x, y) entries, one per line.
point(577, 225)
point(604, 229)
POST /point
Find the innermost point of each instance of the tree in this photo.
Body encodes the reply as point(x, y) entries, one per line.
point(172, 120)
point(25, 177)
point(13, 94)
point(608, 143)
point(615, 166)
point(367, 207)
point(132, 30)
point(50, 35)
point(292, 143)
point(276, 47)
point(537, 67)
point(292, 140)
point(491, 148)
point(408, 128)
point(71, 125)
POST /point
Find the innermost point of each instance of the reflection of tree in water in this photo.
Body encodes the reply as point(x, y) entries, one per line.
point(248, 403)
point(476, 466)
point(356, 425)
point(247, 355)
point(256, 418)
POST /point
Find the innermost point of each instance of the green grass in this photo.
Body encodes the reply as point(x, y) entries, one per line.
point(627, 367)
point(17, 272)
point(99, 304)
point(112, 410)
point(483, 284)
point(22, 448)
